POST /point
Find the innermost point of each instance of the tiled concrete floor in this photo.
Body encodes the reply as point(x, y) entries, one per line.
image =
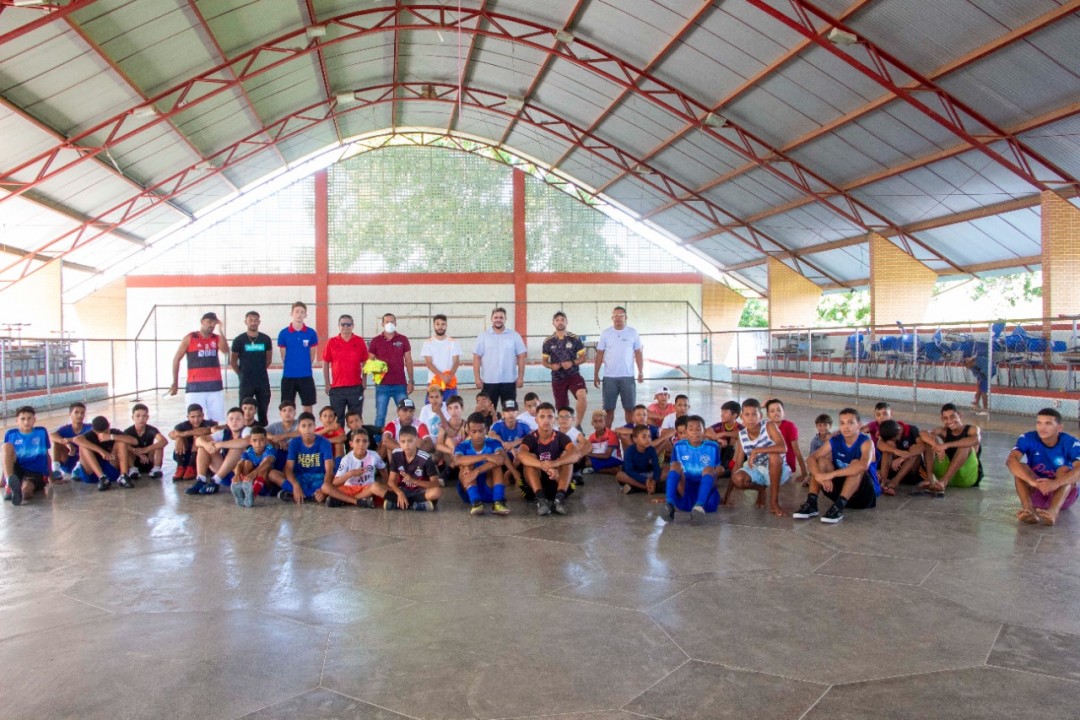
point(147, 603)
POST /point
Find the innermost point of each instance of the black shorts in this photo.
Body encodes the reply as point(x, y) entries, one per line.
point(500, 391)
point(864, 497)
point(548, 487)
point(412, 496)
point(35, 477)
point(305, 386)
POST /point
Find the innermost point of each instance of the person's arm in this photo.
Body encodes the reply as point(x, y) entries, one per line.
point(265, 467)
point(326, 375)
point(409, 377)
point(159, 443)
point(597, 362)
point(234, 357)
point(934, 438)
point(392, 483)
point(328, 471)
point(241, 442)
point(124, 439)
point(58, 440)
point(639, 358)
point(269, 352)
point(521, 370)
point(856, 468)
point(93, 447)
point(1019, 468)
point(972, 439)
point(180, 353)
point(290, 475)
point(570, 456)
point(779, 446)
point(655, 466)
point(432, 370)
point(799, 458)
point(603, 455)
point(313, 353)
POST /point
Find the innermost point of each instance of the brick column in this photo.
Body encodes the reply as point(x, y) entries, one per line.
point(721, 308)
point(322, 258)
point(900, 286)
point(1060, 256)
point(793, 299)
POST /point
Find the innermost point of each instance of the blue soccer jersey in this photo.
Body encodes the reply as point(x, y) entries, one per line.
point(1044, 460)
point(844, 454)
point(31, 449)
point(256, 459)
point(695, 460)
point(68, 433)
point(506, 434)
point(481, 490)
point(309, 463)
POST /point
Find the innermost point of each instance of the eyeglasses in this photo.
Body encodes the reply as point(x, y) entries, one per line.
point(345, 324)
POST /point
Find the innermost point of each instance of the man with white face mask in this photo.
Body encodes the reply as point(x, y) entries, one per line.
point(394, 349)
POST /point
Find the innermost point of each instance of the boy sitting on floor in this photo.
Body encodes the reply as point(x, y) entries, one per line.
point(1045, 465)
point(759, 459)
point(481, 469)
point(691, 479)
point(25, 457)
point(953, 454)
point(360, 479)
point(641, 466)
point(843, 469)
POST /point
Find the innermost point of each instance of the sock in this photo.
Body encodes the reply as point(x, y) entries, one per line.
point(499, 493)
point(257, 486)
point(812, 499)
point(200, 478)
point(474, 494)
point(841, 502)
point(217, 480)
point(672, 486)
point(157, 468)
point(56, 466)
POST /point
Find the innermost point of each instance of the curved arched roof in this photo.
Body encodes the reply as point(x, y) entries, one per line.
point(743, 128)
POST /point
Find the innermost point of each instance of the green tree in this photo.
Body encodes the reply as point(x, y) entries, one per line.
point(755, 314)
point(565, 235)
point(850, 308)
point(1009, 290)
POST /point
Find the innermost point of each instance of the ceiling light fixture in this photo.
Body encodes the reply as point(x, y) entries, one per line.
point(27, 3)
point(144, 111)
point(714, 120)
point(345, 98)
point(842, 37)
point(565, 37)
point(315, 31)
point(515, 102)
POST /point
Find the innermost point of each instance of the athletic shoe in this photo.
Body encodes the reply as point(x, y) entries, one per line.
point(196, 489)
point(56, 476)
point(833, 515)
point(66, 476)
point(179, 476)
point(284, 496)
point(389, 505)
point(499, 508)
point(669, 512)
point(697, 514)
point(249, 493)
point(238, 494)
point(578, 478)
point(477, 508)
point(333, 502)
point(424, 506)
point(15, 488)
point(156, 474)
point(587, 471)
point(104, 484)
point(133, 473)
point(560, 506)
point(543, 507)
point(209, 488)
point(806, 511)
point(366, 503)
point(126, 481)
point(626, 489)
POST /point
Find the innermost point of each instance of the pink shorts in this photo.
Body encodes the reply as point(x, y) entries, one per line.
point(1042, 501)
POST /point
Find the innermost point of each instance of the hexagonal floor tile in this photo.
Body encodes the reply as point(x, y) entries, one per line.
point(1031, 650)
point(824, 629)
point(972, 694)
point(200, 666)
point(1027, 590)
point(483, 659)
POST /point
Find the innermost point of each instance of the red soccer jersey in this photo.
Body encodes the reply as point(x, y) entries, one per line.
point(346, 359)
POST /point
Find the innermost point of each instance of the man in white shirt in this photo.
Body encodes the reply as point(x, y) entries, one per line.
point(442, 355)
point(502, 354)
point(618, 350)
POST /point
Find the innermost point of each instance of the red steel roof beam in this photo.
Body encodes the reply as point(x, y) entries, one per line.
point(45, 20)
point(312, 19)
point(677, 37)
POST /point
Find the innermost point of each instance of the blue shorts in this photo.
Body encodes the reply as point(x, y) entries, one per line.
point(759, 474)
point(487, 493)
point(308, 484)
point(69, 463)
point(107, 469)
point(605, 463)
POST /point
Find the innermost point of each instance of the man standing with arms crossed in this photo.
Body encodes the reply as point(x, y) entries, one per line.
point(562, 354)
point(618, 351)
point(502, 352)
point(298, 345)
point(252, 353)
point(343, 358)
point(442, 355)
point(394, 349)
point(204, 384)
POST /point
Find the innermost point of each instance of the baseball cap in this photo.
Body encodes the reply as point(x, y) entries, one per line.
point(510, 405)
point(210, 316)
point(406, 403)
point(662, 391)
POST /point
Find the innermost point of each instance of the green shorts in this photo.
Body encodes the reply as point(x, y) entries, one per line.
point(965, 477)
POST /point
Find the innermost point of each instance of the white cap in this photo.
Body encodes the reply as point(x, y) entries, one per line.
point(662, 391)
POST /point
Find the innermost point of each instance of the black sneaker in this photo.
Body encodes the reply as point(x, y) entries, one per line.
point(560, 506)
point(333, 502)
point(126, 482)
point(155, 474)
point(15, 486)
point(543, 507)
point(284, 496)
point(365, 503)
point(806, 511)
point(104, 484)
point(669, 512)
point(833, 515)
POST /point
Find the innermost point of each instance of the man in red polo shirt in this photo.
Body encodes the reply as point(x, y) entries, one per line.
point(394, 349)
point(343, 358)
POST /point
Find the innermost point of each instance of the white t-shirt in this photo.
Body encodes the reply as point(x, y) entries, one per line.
point(528, 421)
point(219, 436)
point(619, 347)
point(573, 433)
point(668, 423)
point(429, 417)
point(369, 464)
point(441, 352)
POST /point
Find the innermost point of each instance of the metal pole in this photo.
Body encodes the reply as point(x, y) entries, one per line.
point(48, 373)
point(112, 366)
point(809, 364)
point(738, 364)
point(686, 326)
point(84, 394)
point(859, 342)
point(989, 366)
point(157, 358)
point(3, 376)
point(915, 369)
